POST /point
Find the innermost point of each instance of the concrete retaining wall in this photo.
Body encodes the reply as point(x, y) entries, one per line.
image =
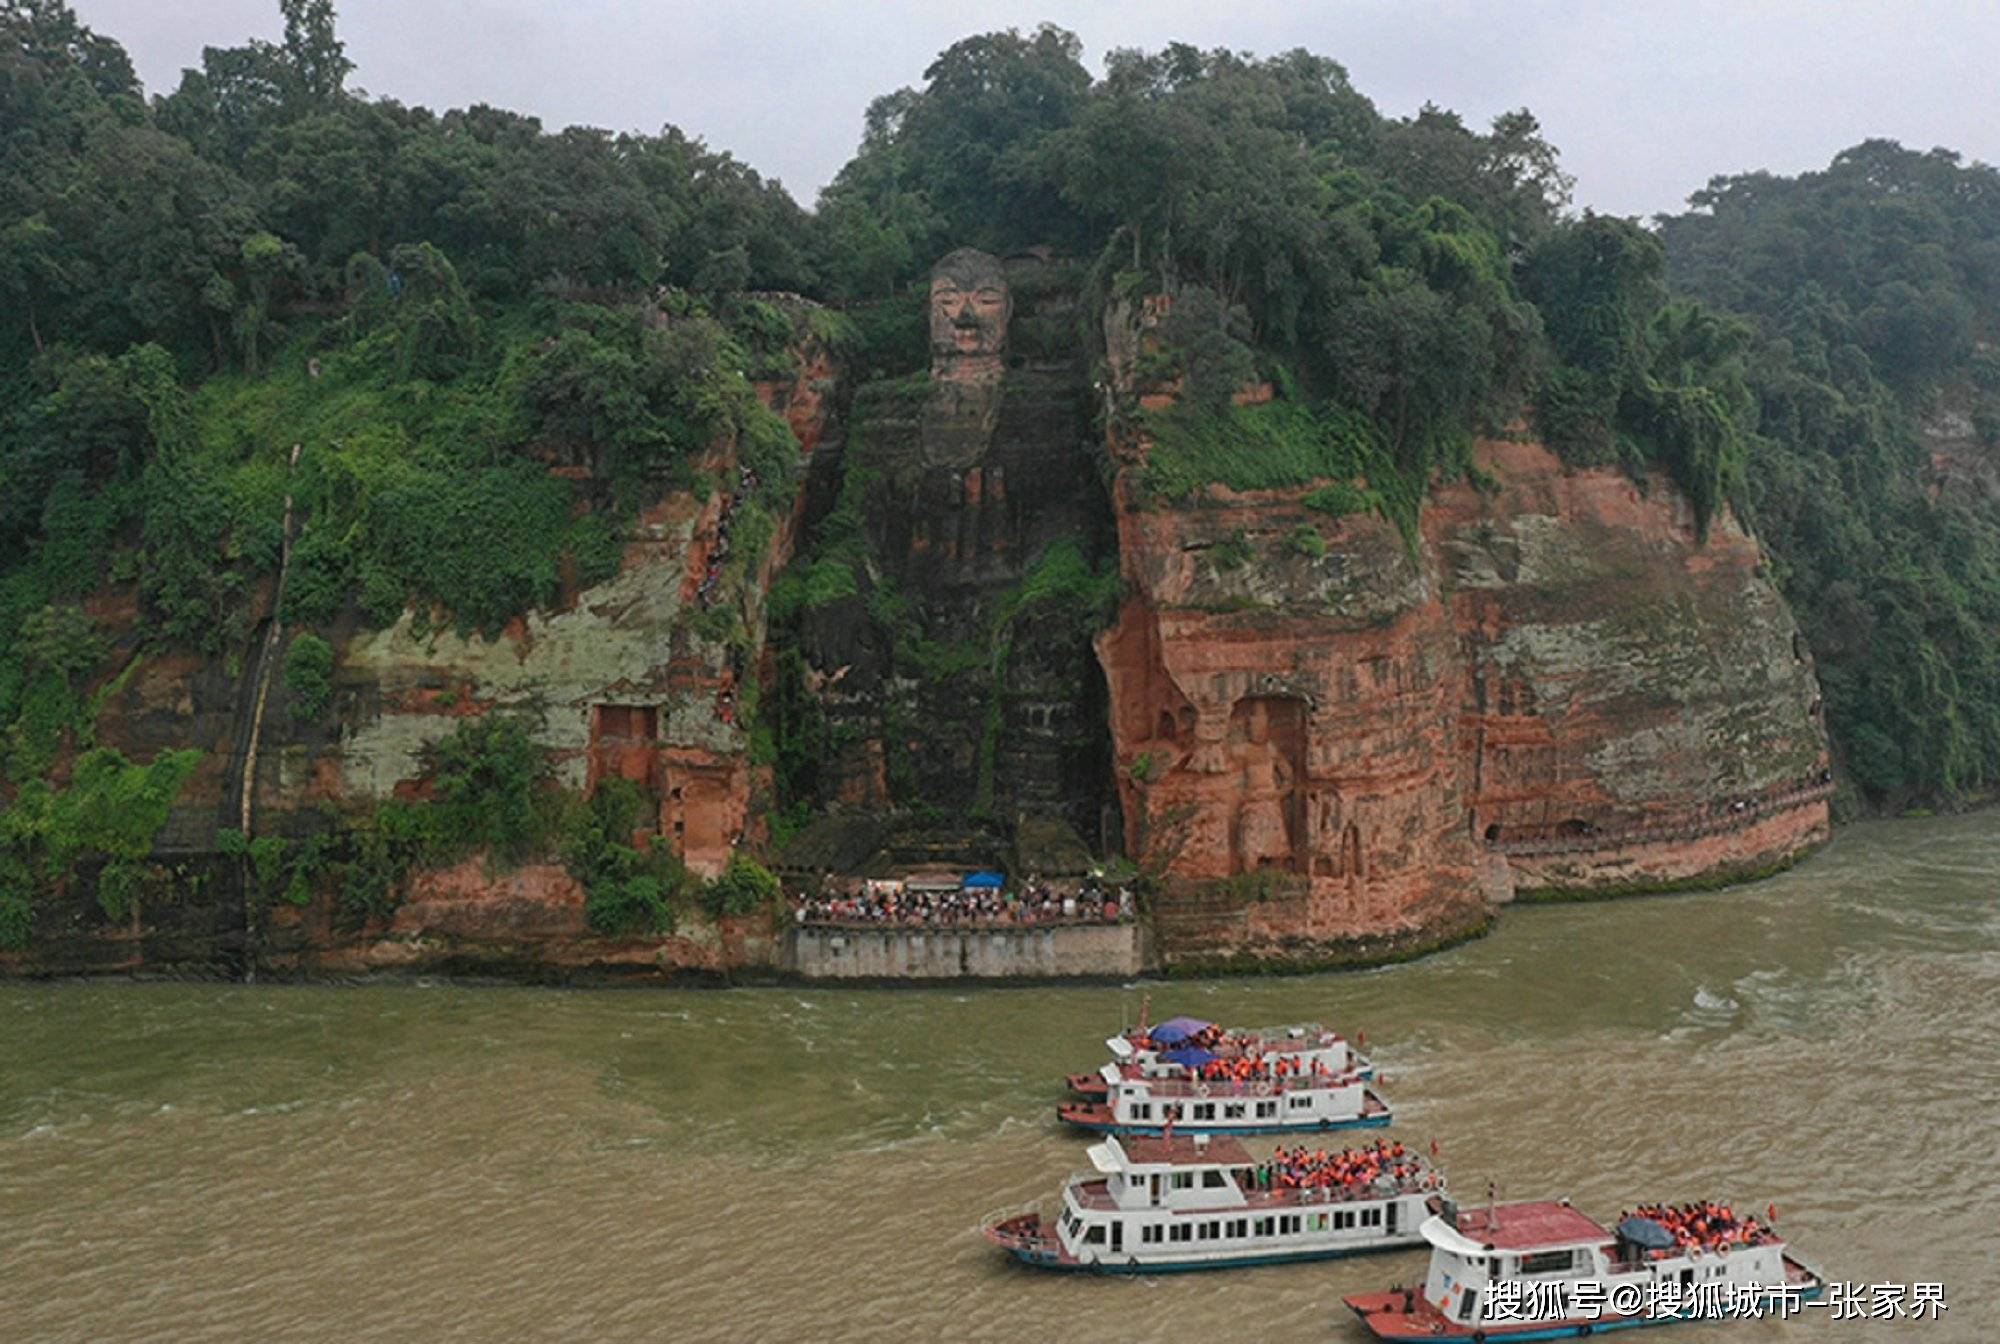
point(837, 953)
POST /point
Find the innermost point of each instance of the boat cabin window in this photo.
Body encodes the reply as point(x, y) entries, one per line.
point(1469, 1304)
point(1212, 1180)
point(1301, 1102)
point(1095, 1236)
point(1266, 1109)
point(1372, 1217)
point(1143, 1111)
point(1150, 1235)
point(1343, 1219)
point(1265, 1226)
point(1239, 1227)
point(1289, 1224)
point(1183, 1180)
point(1211, 1231)
point(1181, 1232)
point(1205, 1111)
point(1548, 1262)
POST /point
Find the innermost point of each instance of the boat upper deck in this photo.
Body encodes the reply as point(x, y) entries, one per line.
point(1289, 1178)
point(1296, 1039)
point(1182, 1150)
point(1521, 1227)
point(1282, 1041)
point(1204, 1089)
point(1095, 1194)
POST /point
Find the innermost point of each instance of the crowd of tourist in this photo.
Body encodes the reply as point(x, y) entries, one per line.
point(1034, 902)
point(711, 579)
point(1707, 1225)
point(1298, 1168)
point(1262, 1068)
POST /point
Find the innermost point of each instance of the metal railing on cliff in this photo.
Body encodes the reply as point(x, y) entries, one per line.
point(1720, 819)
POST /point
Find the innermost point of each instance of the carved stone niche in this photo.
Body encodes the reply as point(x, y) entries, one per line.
point(1267, 748)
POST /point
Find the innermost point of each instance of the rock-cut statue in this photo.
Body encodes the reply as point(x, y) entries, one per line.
point(970, 309)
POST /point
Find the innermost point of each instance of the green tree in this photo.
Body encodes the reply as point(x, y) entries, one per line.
point(309, 675)
point(314, 54)
point(433, 315)
point(487, 776)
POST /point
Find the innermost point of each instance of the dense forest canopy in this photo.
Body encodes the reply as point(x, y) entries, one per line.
point(433, 307)
point(1869, 295)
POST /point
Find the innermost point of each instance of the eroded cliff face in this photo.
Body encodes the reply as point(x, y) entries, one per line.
point(648, 677)
point(1340, 743)
point(1639, 708)
point(1334, 740)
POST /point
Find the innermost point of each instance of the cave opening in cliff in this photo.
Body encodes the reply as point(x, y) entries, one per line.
point(625, 744)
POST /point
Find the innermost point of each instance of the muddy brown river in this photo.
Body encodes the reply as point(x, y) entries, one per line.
point(444, 1162)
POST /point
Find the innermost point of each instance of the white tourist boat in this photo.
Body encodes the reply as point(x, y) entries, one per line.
point(1161, 1205)
point(1275, 1103)
point(1181, 1043)
point(1546, 1271)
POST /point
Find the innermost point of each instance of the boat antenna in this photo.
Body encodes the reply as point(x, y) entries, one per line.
point(1492, 1207)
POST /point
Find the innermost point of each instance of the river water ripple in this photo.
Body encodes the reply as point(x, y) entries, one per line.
point(445, 1162)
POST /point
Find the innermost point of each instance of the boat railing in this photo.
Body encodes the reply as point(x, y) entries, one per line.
point(1209, 1089)
point(1339, 1194)
point(1315, 1037)
point(1003, 1227)
point(1091, 1191)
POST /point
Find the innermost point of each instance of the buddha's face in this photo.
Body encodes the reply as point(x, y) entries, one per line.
point(970, 307)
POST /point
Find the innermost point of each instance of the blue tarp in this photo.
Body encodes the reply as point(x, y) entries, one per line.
point(985, 878)
point(1178, 1029)
point(1190, 1056)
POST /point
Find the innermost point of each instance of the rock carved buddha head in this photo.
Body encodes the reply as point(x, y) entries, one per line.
point(970, 308)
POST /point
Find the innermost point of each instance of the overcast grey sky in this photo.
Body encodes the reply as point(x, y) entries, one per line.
point(1646, 99)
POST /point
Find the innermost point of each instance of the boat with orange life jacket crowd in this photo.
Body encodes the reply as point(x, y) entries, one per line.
point(1530, 1271)
point(1181, 1044)
point(1261, 1094)
point(1161, 1205)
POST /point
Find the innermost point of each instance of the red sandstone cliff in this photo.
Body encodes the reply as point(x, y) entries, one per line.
point(1335, 748)
point(1558, 688)
point(1292, 717)
point(1639, 709)
point(1333, 743)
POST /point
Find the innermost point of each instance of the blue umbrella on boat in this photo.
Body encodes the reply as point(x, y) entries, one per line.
point(1646, 1233)
point(985, 878)
point(1176, 1029)
point(1189, 1056)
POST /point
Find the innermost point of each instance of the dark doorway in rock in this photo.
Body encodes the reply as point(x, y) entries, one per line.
point(625, 744)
